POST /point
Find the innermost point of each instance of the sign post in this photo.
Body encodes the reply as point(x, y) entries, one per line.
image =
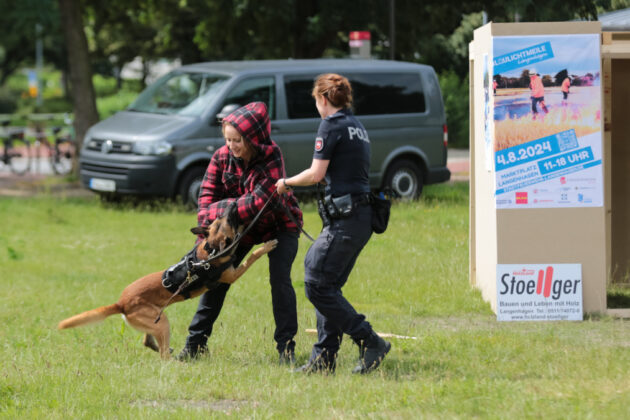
point(360, 44)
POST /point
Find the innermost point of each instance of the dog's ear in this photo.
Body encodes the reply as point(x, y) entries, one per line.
point(198, 230)
point(232, 215)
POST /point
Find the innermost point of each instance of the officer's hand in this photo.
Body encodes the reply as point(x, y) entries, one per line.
point(282, 187)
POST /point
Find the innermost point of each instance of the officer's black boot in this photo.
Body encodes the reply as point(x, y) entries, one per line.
point(191, 352)
point(372, 351)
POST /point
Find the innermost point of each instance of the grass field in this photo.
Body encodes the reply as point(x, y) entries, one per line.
point(59, 257)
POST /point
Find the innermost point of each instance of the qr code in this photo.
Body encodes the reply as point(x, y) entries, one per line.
point(567, 140)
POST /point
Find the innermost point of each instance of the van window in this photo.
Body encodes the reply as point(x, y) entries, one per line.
point(261, 89)
point(387, 93)
point(179, 93)
point(373, 93)
point(300, 103)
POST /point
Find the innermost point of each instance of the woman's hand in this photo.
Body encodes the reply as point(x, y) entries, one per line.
point(282, 187)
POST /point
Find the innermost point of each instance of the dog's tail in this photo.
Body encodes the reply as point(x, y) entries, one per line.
point(90, 317)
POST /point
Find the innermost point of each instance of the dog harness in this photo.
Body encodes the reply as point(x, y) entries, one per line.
point(200, 275)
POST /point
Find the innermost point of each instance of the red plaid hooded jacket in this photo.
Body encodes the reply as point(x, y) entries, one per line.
point(227, 180)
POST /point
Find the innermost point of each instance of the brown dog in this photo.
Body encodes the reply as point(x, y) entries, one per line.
point(141, 301)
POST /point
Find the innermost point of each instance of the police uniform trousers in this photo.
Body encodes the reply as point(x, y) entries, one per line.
point(282, 296)
point(327, 266)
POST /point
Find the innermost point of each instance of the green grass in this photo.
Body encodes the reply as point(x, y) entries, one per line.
point(59, 257)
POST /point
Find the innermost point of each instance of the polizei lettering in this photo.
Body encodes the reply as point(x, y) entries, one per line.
point(358, 132)
point(552, 288)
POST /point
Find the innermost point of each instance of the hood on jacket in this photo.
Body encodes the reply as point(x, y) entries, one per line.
point(252, 122)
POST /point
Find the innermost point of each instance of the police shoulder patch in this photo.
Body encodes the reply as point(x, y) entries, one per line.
point(319, 144)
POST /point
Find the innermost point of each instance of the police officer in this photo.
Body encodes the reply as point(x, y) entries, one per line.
point(342, 158)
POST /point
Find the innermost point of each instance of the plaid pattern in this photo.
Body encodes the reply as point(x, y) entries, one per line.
point(227, 180)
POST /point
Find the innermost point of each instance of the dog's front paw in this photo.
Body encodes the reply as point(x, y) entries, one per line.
point(270, 245)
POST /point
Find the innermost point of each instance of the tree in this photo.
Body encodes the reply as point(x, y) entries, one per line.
point(82, 90)
point(17, 34)
point(242, 29)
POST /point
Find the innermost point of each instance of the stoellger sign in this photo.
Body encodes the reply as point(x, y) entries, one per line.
point(544, 285)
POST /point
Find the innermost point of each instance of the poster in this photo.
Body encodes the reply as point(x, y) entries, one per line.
point(487, 113)
point(539, 292)
point(547, 121)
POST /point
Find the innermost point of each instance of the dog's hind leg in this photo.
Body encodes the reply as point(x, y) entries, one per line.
point(145, 321)
point(149, 341)
point(162, 334)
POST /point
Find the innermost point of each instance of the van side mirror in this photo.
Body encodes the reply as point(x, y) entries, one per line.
point(225, 111)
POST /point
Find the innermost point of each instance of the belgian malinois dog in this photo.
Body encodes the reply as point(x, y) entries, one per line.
point(143, 300)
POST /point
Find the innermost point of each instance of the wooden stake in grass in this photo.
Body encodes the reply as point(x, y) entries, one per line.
point(383, 335)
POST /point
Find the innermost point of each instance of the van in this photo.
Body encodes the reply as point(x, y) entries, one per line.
point(162, 143)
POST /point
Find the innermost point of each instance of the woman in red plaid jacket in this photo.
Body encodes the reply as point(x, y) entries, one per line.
point(245, 171)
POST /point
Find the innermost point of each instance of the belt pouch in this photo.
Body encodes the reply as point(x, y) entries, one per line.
point(343, 205)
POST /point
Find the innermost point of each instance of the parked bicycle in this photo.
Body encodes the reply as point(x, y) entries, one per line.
point(59, 152)
point(15, 156)
point(63, 153)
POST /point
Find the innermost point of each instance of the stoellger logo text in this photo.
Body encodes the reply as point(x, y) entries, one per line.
point(545, 285)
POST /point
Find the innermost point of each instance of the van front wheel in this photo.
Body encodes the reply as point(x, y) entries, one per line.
point(190, 184)
point(405, 179)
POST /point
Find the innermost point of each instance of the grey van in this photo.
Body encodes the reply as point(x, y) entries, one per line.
point(162, 143)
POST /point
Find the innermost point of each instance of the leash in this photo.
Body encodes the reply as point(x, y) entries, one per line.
point(177, 292)
point(292, 218)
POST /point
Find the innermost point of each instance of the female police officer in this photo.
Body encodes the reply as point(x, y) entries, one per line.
point(342, 158)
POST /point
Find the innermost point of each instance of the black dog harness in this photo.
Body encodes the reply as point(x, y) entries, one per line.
point(200, 275)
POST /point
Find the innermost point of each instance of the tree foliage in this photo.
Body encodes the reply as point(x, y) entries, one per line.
point(18, 20)
point(435, 32)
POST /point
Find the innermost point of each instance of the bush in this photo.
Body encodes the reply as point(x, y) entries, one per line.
point(455, 95)
point(104, 86)
point(55, 105)
point(109, 105)
point(8, 102)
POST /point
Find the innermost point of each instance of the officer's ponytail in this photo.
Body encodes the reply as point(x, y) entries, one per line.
point(335, 88)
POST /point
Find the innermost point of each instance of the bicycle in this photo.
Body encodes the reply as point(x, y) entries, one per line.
point(63, 152)
point(59, 152)
point(16, 158)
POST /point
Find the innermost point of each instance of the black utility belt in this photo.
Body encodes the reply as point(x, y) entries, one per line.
point(343, 206)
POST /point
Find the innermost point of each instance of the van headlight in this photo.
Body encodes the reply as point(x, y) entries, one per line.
point(155, 148)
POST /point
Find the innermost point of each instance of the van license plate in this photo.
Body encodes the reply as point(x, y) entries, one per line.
point(99, 184)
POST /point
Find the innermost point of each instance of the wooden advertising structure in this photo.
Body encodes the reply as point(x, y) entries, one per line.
point(594, 236)
point(616, 86)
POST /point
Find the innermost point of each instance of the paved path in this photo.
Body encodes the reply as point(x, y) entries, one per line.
point(459, 164)
point(30, 184)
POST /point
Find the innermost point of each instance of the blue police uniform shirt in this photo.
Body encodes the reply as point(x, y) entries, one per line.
point(343, 140)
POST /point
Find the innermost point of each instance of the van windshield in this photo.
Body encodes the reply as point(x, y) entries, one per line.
point(179, 93)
